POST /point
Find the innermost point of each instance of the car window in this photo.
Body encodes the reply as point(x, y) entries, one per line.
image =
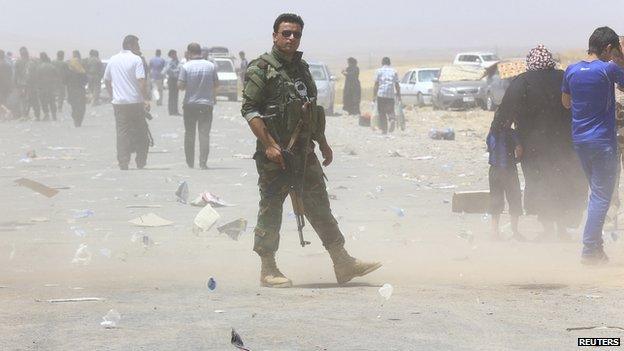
point(224, 66)
point(469, 58)
point(318, 72)
point(490, 58)
point(406, 77)
point(428, 75)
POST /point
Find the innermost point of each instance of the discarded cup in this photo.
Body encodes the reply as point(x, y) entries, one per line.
point(386, 291)
point(205, 219)
point(111, 319)
point(212, 284)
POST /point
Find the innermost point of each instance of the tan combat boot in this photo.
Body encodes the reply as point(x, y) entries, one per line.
point(270, 276)
point(347, 267)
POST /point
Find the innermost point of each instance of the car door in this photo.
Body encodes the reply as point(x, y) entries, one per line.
point(408, 89)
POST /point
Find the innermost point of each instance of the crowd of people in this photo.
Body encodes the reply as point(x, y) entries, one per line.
point(565, 125)
point(42, 86)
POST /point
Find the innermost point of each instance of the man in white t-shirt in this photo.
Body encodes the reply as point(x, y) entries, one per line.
point(125, 81)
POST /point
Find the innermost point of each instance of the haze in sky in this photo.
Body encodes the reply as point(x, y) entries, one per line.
point(332, 28)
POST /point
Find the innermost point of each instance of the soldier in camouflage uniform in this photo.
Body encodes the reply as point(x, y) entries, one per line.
point(278, 90)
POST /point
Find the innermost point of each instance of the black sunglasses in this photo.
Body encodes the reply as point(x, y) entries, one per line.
point(288, 33)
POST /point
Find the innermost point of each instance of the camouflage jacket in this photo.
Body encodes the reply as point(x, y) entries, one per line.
point(267, 92)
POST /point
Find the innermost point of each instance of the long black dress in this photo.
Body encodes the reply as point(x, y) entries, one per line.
point(76, 95)
point(352, 93)
point(555, 186)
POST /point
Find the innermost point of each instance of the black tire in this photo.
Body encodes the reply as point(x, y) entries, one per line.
point(233, 97)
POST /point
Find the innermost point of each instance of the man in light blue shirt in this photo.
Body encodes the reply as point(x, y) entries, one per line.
point(199, 78)
point(156, 67)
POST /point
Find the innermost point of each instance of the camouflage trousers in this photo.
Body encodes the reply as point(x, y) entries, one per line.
point(274, 185)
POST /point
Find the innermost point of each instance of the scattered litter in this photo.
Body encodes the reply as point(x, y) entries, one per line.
point(386, 291)
point(75, 299)
point(593, 296)
point(39, 219)
point(219, 311)
point(237, 341)
point(398, 211)
point(212, 284)
point(442, 134)
point(83, 213)
point(111, 319)
point(466, 235)
point(234, 229)
point(205, 219)
point(142, 238)
point(444, 186)
point(395, 153)
point(243, 174)
point(82, 255)
point(379, 188)
point(37, 187)
point(143, 206)
point(106, 252)
point(81, 233)
point(598, 327)
point(242, 156)
point(65, 148)
point(150, 220)
point(422, 158)
point(209, 198)
point(182, 193)
point(333, 197)
point(51, 285)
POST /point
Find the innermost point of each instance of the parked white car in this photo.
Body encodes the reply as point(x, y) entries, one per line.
point(479, 58)
point(228, 80)
point(417, 84)
point(325, 86)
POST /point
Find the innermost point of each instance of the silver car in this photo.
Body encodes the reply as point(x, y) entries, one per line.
point(325, 85)
point(458, 87)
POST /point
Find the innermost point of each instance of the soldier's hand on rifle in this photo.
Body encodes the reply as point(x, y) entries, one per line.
point(274, 154)
point(328, 154)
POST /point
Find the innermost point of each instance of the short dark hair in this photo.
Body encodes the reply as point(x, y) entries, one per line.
point(128, 41)
point(171, 52)
point(288, 18)
point(76, 54)
point(194, 49)
point(93, 53)
point(44, 57)
point(385, 61)
point(158, 52)
point(60, 55)
point(601, 38)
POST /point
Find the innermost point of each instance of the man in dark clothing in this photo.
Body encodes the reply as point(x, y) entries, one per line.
point(172, 70)
point(199, 78)
point(25, 75)
point(93, 66)
point(47, 80)
point(6, 78)
point(61, 68)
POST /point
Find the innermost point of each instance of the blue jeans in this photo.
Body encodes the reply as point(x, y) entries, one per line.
point(599, 161)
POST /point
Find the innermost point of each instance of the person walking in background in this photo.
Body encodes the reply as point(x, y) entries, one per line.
point(156, 67)
point(199, 78)
point(76, 80)
point(243, 66)
point(93, 66)
point(352, 93)
point(61, 68)
point(386, 90)
point(6, 79)
point(125, 81)
point(588, 90)
point(47, 81)
point(25, 76)
point(555, 189)
point(172, 70)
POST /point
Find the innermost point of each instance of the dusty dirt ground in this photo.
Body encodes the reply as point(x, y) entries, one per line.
point(449, 293)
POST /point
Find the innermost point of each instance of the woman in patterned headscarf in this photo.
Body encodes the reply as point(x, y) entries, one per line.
point(555, 188)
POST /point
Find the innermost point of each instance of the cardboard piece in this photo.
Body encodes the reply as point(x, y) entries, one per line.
point(471, 201)
point(234, 229)
point(150, 220)
point(205, 219)
point(37, 187)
